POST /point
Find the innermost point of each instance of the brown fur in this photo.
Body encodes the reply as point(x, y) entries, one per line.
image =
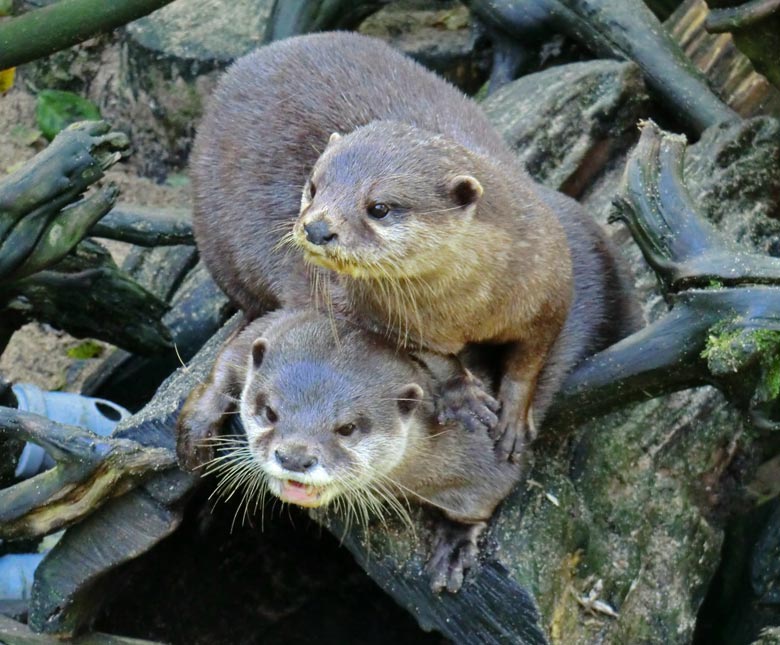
point(495, 269)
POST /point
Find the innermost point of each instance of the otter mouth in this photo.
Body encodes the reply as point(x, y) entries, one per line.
point(301, 494)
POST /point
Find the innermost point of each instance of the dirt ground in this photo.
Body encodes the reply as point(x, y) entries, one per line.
point(38, 353)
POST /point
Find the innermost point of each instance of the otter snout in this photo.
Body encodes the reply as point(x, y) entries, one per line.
point(295, 459)
point(319, 233)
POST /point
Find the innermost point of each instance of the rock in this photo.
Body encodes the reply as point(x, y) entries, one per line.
point(566, 122)
point(439, 35)
point(735, 172)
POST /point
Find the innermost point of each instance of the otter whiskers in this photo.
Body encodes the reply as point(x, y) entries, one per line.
point(357, 501)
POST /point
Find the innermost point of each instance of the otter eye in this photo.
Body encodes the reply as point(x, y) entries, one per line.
point(271, 415)
point(378, 210)
point(312, 189)
point(346, 430)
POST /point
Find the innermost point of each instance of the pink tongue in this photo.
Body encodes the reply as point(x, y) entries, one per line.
point(295, 493)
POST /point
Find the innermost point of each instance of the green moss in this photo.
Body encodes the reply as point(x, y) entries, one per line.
point(85, 349)
point(56, 110)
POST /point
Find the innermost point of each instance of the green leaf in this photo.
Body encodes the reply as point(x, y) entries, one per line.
point(56, 110)
point(85, 349)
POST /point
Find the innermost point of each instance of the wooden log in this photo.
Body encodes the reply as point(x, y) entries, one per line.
point(87, 295)
point(145, 226)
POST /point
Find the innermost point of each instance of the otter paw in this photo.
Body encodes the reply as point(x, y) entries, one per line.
point(200, 420)
point(510, 438)
point(455, 551)
point(464, 399)
point(193, 447)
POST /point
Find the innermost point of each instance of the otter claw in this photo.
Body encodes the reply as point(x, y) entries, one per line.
point(465, 400)
point(455, 551)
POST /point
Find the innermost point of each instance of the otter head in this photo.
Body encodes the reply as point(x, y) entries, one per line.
point(324, 425)
point(388, 200)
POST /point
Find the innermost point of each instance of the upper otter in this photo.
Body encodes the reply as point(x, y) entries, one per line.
point(348, 424)
point(505, 276)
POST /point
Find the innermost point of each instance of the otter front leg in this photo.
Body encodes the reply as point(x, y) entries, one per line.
point(459, 395)
point(515, 427)
point(454, 552)
point(210, 404)
point(465, 399)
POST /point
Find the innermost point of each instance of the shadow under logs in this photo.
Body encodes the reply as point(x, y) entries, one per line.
point(288, 581)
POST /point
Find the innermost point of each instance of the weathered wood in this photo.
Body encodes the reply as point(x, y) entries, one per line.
point(145, 226)
point(295, 17)
point(90, 470)
point(755, 26)
point(727, 69)
point(87, 295)
point(696, 266)
point(198, 309)
point(38, 224)
point(71, 582)
point(566, 123)
point(14, 633)
point(624, 29)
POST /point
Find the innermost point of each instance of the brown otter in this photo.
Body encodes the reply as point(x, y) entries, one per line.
point(467, 250)
point(349, 424)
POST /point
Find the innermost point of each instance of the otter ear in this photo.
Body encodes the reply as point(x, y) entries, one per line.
point(465, 190)
point(258, 351)
point(409, 398)
point(334, 138)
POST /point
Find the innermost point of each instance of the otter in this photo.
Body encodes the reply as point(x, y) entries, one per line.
point(418, 220)
point(255, 170)
point(348, 423)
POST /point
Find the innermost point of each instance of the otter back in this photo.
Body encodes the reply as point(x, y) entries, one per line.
point(265, 127)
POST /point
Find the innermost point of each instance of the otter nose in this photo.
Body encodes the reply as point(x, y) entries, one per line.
point(295, 460)
point(319, 232)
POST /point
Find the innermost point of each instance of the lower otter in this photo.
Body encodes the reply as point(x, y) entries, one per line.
point(351, 425)
point(433, 232)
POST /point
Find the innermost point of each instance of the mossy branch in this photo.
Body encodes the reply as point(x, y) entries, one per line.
point(66, 23)
point(725, 303)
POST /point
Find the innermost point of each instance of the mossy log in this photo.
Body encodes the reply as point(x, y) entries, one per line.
point(88, 296)
point(39, 222)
